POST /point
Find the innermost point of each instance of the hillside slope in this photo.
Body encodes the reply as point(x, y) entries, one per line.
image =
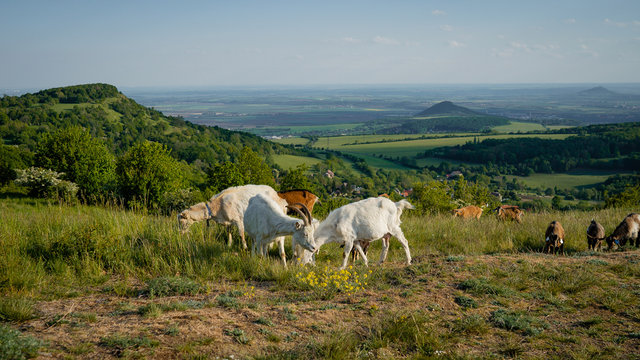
point(120, 121)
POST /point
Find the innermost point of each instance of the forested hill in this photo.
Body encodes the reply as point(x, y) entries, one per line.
point(447, 108)
point(611, 147)
point(119, 121)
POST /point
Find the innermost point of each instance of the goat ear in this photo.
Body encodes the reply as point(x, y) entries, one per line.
point(299, 225)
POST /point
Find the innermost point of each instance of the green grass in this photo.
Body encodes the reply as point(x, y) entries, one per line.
point(300, 129)
point(568, 180)
point(476, 289)
point(291, 161)
point(409, 147)
point(292, 141)
point(516, 126)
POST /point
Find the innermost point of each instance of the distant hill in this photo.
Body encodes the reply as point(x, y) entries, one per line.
point(120, 122)
point(599, 91)
point(444, 116)
point(446, 108)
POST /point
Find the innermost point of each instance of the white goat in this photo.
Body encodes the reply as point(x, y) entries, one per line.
point(228, 208)
point(265, 221)
point(363, 221)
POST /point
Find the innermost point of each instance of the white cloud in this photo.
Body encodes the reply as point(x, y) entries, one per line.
point(438, 12)
point(385, 40)
point(456, 44)
point(351, 40)
point(446, 28)
point(570, 21)
point(621, 24)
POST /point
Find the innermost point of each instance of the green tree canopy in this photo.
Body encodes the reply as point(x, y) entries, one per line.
point(253, 168)
point(82, 158)
point(146, 172)
point(224, 175)
point(295, 179)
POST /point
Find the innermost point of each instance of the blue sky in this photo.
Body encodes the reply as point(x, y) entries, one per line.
point(243, 43)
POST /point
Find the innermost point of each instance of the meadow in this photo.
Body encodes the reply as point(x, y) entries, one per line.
point(85, 281)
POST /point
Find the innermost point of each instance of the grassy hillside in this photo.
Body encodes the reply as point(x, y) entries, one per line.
point(102, 282)
point(120, 121)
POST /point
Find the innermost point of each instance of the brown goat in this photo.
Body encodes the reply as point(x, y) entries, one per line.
point(509, 212)
point(595, 235)
point(468, 212)
point(554, 238)
point(628, 229)
point(305, 197)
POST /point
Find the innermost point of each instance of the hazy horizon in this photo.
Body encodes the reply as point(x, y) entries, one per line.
point(214, 44)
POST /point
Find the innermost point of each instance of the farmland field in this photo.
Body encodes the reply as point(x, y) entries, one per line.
point(573, 179)
point(516, 126)
point(291, 161)
point(408, 147)
point(106, 283)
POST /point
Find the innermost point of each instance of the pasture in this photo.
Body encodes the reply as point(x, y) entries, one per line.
point(409, 147)
point(102, 282)
point(291, 161)
point(569, 180)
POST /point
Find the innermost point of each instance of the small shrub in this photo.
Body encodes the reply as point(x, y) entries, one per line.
point(465, 302)
point(45, 183)
point(264, 321)
point(172, 330)
point(14, 345)
point(151, 310)
point(454, 258)
point(597, 262)
point(171, 286)
point(121, 342)
point(228, 302)
point(238, 335)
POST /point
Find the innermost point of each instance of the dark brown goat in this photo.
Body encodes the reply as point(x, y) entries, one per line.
point(595, 235)
point(628, 229)
point(554, 238)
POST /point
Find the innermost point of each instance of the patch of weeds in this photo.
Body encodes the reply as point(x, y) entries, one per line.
point(120, 342)
point(81, 349)
point(473, 324)
point(124, 308)
point(171, 286)
point(482, 286)
point(434, 307)
point(292, 336)
point(151, 310)
point(516, 321)
point(121, 289)
point(511, 349)
point(409, 333)
point(289, 314)
point(16, 309)
point(86, 316)
point(329, 306)
point(264, 321)
point(172, 330)
point(406, 293)
point(14, 345)
point(228, 302)
point(465, 302)
point(270, 336)
point(454, 258)
point(597, 262)
point(238, 335)
point(634, 335)
point(373, 310)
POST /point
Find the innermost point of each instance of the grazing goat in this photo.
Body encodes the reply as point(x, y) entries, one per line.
point(628, 229)
point(509, 212)
point(228, 208)
point(595, 235)
point(265, 222)
point(468, 212)
point(554, 238)
point(364, 221)
point(305, 197)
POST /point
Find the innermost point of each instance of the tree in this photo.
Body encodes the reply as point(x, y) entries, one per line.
point(295, 179)
point(146, 172)
point(254, 169)
point(224, 175)
point(82, 158)
point(11, 159)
